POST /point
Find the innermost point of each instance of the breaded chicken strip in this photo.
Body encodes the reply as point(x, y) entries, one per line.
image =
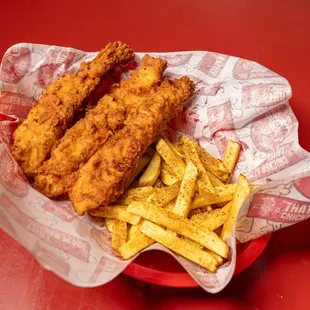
point(103, 178)
point(53, 114)
point(82, 140)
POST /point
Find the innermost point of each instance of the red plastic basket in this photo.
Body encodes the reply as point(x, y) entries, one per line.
point(160, 268)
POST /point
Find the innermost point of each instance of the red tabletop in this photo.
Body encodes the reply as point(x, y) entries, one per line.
point(275, 33)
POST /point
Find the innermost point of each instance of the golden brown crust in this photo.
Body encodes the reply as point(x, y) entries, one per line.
point(53, 114)
point(102, 179)
point(90, 133)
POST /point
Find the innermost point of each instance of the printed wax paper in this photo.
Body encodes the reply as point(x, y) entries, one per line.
point(235, 99)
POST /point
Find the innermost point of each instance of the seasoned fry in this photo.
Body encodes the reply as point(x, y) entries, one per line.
point(171, 158)
point(222, 194)
point(242, 193)
point(135, 194)
point(180, 246)
point(170, 206)
point(119, 235)
point(193, 243)
point(143, 161)
point(165, 166)
point(178, 150)
point(214, 219)
point(214, 180)
point(152, 171)
point(162, 196)
point(231, 156)
point(189, 148)
point(158, 184)
point(110, 224)
point(203, 209)
point(219, 259)
point(116, 212)
point(134, 231)
point(212, 164)
point(135, 245)
point(182, 206)
point(167, 178)
point(180, 225)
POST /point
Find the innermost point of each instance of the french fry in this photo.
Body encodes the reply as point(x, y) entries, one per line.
point(170, 206)
point(214, 180)
point(116, 212)
point(110, 224)
point(151, 172)
point(135, 194)
point(219, 259)
point(189, 148)
point(193, 243)
point(242, 193)
point(171, 158)
point(182, 205)
point(226, 189)
point(143, 161)
point(158, 184)
point(135, 245)
point(164, 195)
point(178, 245)
point(212, 164)
point(167, 178)
point(214, 219)
point(134, 231)
point(205, 209)
point(119, 235)
point(180, 225)
point(231, 156)
point(165, 166)
point(173, 146)
point(178, 150)
point(222, 194)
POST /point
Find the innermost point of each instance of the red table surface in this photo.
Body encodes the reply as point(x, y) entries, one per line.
point(274, 33)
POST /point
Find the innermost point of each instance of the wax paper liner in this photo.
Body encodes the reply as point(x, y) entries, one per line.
point(235, 99)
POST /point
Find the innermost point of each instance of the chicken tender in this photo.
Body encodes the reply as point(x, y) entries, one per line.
point(54, 112)
point(81, 141)
point(103, 178)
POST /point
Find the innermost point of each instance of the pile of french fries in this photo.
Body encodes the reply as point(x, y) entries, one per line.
point(179, 196)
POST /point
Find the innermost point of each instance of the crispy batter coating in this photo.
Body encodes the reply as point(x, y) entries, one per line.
point(81, 141)
point(53, 114)
point(102, 179)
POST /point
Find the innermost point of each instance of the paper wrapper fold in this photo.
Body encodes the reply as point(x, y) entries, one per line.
point(235, 99)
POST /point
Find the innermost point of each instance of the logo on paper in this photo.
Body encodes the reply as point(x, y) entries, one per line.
point(9, 176)
point(245, 70)
point(56, 63)
point(212, 64)
point(15, 64)
point(279, 209)
point(269, 130)
point(177, 60)
point(15, 104)
point(284, 157)
point(264, 95)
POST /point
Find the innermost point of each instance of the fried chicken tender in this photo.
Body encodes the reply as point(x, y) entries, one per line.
point(82, 140)
point(102, 179)
point(53, 114)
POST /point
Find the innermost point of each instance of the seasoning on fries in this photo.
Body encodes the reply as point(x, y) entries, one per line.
point(181, 200)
